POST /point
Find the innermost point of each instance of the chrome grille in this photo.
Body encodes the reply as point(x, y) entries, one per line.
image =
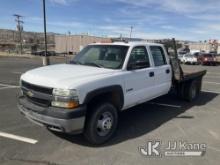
point(38, 95)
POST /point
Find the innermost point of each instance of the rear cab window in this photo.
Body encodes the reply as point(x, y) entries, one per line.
point(158, 55)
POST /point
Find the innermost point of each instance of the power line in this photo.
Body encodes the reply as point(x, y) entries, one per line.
point(19, 28)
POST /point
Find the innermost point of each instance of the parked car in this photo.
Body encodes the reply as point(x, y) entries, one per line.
point(218, 58)
point(42, 53)
point(189, 59)
point(207, 59)
point(180, 57)
point(194, 52)
point(88, 94)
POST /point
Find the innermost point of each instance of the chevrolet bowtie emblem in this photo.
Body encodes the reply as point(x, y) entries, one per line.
point(30, 94)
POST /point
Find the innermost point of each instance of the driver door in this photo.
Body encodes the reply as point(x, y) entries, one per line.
point(139, 83)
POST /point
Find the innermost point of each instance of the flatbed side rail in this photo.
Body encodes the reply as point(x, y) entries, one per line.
point(193, 75)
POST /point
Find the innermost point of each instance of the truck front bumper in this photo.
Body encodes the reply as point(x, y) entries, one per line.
point(56, 119)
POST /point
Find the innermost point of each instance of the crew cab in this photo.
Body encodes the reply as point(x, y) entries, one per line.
point(87, 95)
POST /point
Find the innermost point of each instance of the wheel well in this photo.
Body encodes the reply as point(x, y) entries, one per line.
point(114, 97)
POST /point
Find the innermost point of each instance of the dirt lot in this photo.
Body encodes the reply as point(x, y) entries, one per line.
point(165, 119)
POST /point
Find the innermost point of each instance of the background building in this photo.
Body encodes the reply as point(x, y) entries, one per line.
point(200, 46)
point(210, 46)
point(74, 43)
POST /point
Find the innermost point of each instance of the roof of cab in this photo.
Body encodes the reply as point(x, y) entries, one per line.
point(132, 43)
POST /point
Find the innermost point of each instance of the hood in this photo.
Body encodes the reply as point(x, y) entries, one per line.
point(63, 75)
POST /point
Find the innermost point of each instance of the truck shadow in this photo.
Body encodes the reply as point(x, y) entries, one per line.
point(144, 118)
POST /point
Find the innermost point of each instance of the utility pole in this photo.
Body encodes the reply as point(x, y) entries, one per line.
point(69, 42)
point(45, 57)
point(131, 32)
point(20, 29)
point(121, 37)
point(66, 44)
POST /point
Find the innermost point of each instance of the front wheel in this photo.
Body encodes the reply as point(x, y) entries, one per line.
point(101, 123)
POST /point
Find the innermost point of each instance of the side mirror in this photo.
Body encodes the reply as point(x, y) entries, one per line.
point(138, 65)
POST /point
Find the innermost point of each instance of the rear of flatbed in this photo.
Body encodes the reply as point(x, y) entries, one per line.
point(187, 84)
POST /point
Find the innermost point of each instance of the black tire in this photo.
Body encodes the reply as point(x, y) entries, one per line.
point(192, 90)
point(92, 133)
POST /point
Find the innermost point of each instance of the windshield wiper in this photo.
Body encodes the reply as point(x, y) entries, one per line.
point(93, 64)
point(88, 63)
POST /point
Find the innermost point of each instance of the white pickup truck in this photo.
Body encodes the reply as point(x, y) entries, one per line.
point(189, 59)
point(86, 95)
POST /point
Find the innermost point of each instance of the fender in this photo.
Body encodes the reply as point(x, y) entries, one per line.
point(104, 90)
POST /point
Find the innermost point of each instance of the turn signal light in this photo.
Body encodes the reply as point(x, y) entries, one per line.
point(68, 105)
point(72, 104)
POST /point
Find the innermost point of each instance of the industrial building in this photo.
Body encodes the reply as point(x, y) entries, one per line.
point(74, 43)
point(211, 46)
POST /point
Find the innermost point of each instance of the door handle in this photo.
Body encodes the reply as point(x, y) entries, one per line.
point(168, 71)
point(151, 74)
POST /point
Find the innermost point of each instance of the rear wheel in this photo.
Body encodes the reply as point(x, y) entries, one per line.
point(192, 90)
point(101, 123)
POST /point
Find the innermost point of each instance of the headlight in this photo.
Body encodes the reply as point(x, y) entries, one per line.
point(64, 92)
point(65, 98)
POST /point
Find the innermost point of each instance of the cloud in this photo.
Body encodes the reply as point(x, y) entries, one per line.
point(206, 17)
point(63, 2)
point(168, 27)
point(190, 20)
point(62, 25)
point(179, 6)
point(116, 31)
point(68, 24)
point(204, 31)
point(214, 27)
point(35, 19)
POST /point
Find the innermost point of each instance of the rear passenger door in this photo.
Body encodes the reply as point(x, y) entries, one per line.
point(162, 70)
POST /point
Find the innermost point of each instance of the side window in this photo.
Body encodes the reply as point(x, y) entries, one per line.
point(158, 55)
point(139, 54)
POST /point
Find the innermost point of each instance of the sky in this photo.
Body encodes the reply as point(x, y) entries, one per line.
point(151, 19)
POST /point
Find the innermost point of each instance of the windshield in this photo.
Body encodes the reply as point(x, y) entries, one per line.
point(105, 56)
